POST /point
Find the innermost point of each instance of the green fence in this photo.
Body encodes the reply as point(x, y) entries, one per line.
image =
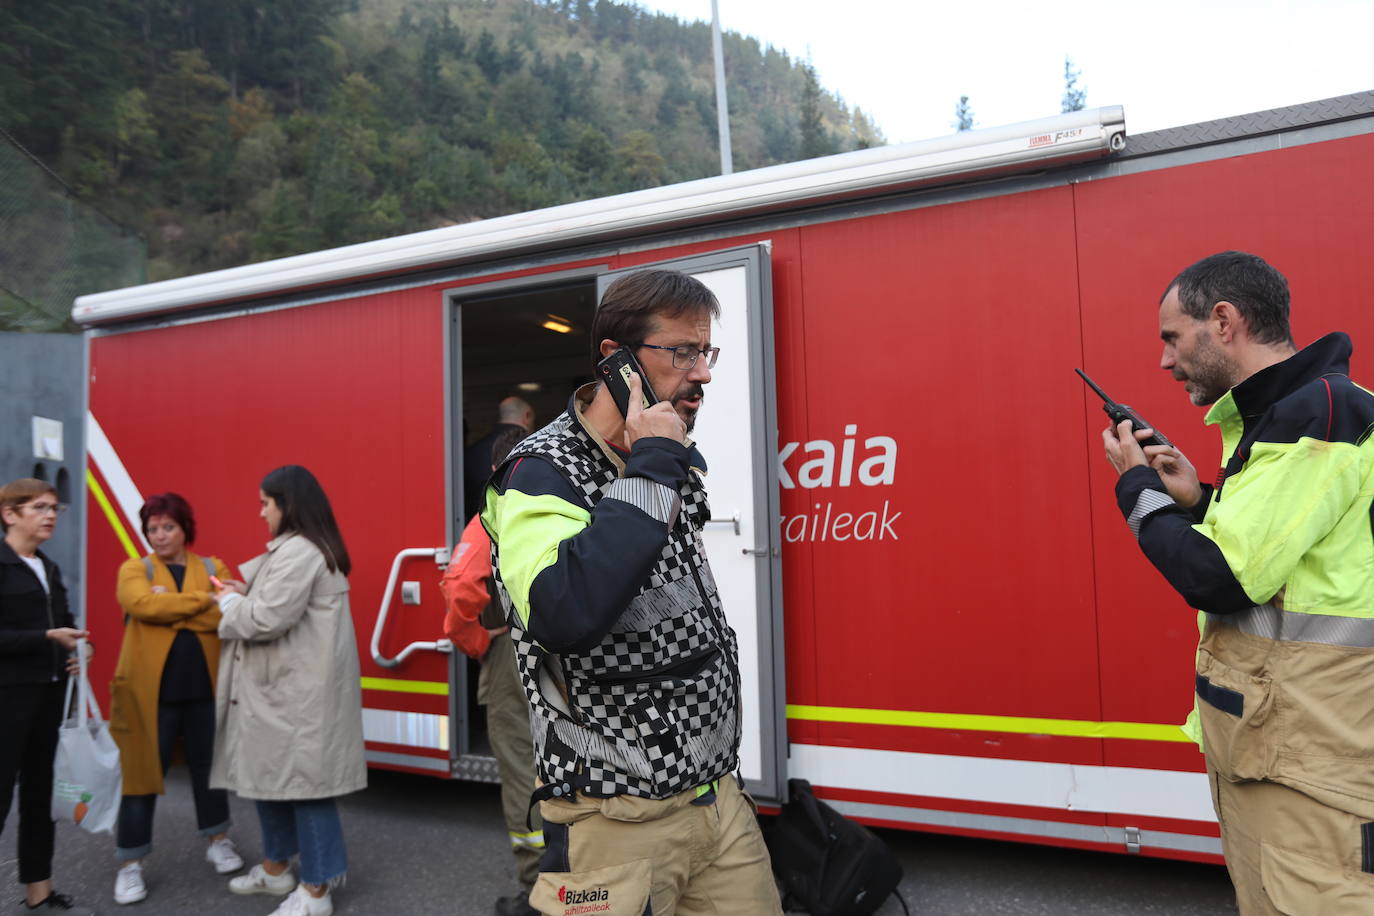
point(54, 248)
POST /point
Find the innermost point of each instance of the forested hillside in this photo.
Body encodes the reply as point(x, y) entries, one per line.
point(229, 131)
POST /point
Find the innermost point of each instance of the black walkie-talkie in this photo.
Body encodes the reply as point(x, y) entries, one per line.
point(1119, 412)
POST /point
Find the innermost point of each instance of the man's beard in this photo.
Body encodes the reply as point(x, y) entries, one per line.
point(690, 390)
point(1211, 374)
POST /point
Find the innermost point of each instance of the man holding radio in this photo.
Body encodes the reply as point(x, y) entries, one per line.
point(628, 663)
point(1277, 557)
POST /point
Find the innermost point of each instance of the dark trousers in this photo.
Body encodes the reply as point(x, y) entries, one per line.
point(194, 722)
point(29, 717)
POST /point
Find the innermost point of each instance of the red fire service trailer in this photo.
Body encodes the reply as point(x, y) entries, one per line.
point(906, 484)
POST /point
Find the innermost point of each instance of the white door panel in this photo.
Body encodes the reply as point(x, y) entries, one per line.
point(736, 432)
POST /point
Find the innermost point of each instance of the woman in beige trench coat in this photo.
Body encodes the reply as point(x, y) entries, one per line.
point(289, 701)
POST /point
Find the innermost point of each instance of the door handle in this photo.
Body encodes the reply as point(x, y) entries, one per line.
point(732, 520)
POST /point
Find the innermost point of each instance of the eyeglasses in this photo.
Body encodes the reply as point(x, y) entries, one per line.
point(685, 356)
point(47, 508)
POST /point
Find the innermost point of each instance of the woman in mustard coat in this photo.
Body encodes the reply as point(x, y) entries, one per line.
point(164, 688)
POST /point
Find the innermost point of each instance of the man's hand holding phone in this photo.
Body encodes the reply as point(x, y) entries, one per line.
point(658, 420)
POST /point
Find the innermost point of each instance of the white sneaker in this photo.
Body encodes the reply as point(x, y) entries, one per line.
point(258, 881)
point(302, 903)
point(129, 886)
point(222, 854)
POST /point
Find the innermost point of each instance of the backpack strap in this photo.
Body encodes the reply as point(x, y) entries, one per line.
point(209, 566)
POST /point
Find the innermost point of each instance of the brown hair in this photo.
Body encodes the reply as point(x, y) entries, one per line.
point(632, 302)
point(306, 510)
point(16, 493)
point(505, 441)
point(1247, 281)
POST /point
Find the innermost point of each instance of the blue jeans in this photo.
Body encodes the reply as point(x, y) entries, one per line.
point(310, 829)
point(194, 722)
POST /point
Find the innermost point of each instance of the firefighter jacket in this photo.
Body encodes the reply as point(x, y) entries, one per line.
point(629, 666)
point(1281, 565)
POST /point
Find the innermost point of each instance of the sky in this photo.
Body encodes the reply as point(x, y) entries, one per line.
point(1166, 62)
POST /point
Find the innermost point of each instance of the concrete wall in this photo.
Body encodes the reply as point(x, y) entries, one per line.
point(42, 376)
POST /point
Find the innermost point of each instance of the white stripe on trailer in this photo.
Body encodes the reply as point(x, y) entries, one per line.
point(121, 485)
point(408, 760)
point(412, 729)
point(990, 780)
point(1024, 826)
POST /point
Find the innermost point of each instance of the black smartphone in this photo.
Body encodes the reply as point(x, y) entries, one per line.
point(614, 372)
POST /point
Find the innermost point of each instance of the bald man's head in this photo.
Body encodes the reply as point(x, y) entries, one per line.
point(516, 410)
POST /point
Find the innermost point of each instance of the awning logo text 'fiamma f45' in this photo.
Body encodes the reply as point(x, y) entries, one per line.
point(1058, 136)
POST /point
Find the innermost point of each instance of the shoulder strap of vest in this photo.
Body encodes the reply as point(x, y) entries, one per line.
point(209, 566)
point(148, 566)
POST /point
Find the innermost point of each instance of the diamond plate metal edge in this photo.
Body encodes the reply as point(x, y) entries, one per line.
point(476, 768)
point(1255, 124)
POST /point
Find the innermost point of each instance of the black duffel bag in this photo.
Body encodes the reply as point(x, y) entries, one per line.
point(828, 864)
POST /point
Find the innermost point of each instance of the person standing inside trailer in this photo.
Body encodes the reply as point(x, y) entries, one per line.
point(37, 637)
point(476, 623)
point(289, 699)
point(512, 414)
point(629, 665)
point(1277, 557)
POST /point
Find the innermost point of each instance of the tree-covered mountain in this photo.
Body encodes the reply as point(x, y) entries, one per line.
point(230, 131)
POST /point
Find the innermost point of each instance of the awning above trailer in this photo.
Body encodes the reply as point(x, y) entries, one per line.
point(1032, 144)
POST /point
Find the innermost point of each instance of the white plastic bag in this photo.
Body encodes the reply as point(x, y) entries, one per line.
point(86, 785)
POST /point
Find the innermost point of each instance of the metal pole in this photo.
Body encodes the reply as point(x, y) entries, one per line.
point(722, 109)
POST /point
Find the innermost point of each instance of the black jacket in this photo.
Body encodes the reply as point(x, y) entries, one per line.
point(27, 612)
point(477, 469)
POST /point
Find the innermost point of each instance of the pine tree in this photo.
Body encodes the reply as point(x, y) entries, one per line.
point(814, 141)
point(963, 115)
point(1075, 98)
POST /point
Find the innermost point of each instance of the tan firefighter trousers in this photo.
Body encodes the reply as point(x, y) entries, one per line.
point(1288, 853)
point(629, 856)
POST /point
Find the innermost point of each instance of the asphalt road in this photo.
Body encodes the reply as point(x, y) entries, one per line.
point(418, 845)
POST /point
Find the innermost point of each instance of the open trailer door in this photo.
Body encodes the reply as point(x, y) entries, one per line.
point(737, 432)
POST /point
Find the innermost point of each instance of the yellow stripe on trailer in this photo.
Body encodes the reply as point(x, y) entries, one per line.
point(104, 501)
point(1069, 728)
point(394, 685)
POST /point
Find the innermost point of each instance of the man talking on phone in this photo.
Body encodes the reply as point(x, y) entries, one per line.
point(629, 666)
point(1278, 555)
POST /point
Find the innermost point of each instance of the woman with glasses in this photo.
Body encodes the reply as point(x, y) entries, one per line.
point(37, 636)
point(164, 689)
point(290, 732)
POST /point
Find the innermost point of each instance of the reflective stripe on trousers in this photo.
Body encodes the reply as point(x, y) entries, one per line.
point(1271, 622)
point(533, 840)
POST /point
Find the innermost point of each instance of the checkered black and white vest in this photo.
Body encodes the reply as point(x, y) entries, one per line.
point(600, 724)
